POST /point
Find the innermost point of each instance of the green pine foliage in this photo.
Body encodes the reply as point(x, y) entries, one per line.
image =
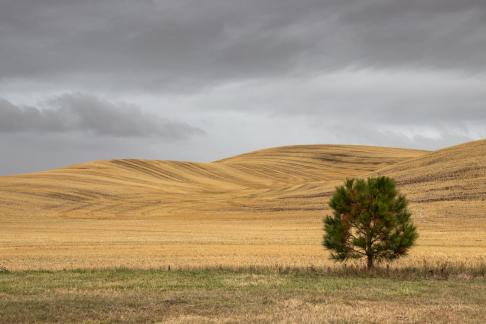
point(371, 219)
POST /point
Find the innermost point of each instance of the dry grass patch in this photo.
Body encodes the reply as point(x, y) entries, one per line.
point(215, 296)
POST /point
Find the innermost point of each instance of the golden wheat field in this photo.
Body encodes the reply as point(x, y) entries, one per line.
point(263, 208)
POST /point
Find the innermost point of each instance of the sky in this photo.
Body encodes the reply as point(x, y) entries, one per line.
point(203, 80)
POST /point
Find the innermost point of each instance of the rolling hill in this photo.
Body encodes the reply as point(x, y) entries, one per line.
point(140, 187)
point(258, 208)
point(453, 174)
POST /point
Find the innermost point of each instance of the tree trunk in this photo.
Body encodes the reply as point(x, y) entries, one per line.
point(370, 262)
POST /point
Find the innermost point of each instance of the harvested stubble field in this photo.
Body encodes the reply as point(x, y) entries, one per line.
point(263, 208)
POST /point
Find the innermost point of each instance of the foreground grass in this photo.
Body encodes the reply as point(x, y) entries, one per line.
point(236, 296)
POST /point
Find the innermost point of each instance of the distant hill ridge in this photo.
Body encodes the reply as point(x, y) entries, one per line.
point(270, 180)
point(456, 173)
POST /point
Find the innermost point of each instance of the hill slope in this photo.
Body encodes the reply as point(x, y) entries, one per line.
point(457, 173)
point(141, 187)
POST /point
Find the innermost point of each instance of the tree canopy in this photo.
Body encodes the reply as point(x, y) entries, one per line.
point(370, 219)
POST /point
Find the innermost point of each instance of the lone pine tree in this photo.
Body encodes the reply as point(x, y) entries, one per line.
point(371, 219)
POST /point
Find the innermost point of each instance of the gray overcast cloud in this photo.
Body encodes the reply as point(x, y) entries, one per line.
point(84, 113)
point(200, 80)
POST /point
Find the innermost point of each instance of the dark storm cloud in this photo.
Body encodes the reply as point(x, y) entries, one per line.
point(383, 10)
point(257, 73)
point(84, 113)
point(167, 44)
